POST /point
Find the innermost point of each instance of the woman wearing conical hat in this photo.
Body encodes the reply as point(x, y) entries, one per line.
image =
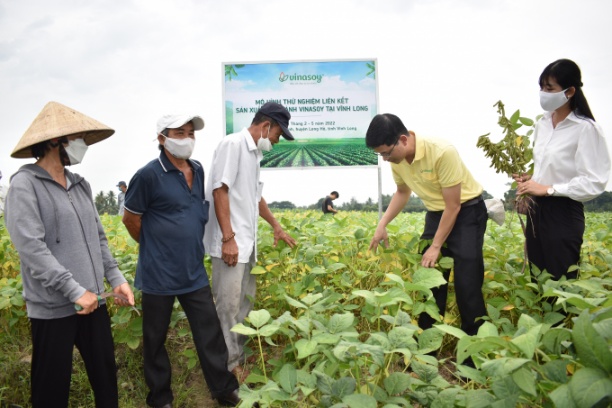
point(54, 225)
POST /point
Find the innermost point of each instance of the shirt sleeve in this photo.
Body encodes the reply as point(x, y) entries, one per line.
point(224, 168)
point(138, 195)
point(592, 162)
point(27, 231)
point(449, 168)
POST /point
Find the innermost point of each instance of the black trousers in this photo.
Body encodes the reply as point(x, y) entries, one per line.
point(207, 336)
point(53, 344)
point(554, 235)
point(464, 245)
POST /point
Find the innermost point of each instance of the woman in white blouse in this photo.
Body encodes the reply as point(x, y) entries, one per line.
point(571, 166)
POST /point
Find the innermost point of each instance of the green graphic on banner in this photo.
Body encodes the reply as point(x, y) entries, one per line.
point(331, 105)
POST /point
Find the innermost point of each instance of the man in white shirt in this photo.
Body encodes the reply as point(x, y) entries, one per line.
point(235, 194)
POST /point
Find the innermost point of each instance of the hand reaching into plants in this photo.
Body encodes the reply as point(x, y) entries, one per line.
point(380, 237)
point(281, 234)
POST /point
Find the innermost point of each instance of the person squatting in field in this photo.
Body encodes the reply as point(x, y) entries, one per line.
point(571, 166)
point(54, 225)
point(235, 193)
point(166, 212)
point(456, 217)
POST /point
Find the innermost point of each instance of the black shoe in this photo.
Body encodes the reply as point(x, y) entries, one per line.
point(231, 399)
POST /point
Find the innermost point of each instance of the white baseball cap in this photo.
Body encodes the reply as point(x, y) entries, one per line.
point(176, 121)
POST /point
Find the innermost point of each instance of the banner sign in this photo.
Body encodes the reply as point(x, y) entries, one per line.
point(331, 105)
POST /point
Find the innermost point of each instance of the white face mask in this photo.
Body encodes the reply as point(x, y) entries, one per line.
point(180, 148)
point(76, 151)
point(551, 101)
point(264, 145)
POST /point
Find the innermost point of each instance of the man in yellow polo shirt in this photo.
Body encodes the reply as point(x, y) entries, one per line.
point(456, 217)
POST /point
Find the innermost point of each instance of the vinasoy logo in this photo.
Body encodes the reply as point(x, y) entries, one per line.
point(300, 78)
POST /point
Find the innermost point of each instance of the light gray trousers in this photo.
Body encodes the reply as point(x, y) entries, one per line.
point(232, 288)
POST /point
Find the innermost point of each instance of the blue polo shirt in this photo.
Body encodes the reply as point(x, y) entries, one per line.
point(171, 258)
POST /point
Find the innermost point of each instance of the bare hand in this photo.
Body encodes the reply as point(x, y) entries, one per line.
point(430, 257)
point(88, 303)
point(281, 234)
point(229, 252)
point(521, 178)
point(531, 187)
point(125, 290)
point(380, 237)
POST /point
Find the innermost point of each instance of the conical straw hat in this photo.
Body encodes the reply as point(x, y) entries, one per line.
point(57, 120)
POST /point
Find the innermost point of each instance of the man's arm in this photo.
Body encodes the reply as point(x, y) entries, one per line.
point(229, 249)
point(398, 201)
point(452, 206)
point(279, 232)
point(331, 208)
point(132, 223)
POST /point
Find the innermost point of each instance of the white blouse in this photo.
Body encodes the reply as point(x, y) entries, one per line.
point(573, 157)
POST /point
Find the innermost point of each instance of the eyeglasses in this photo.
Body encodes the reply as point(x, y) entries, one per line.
point(387, 154)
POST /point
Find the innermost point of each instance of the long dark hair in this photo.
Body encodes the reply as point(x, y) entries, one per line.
point(567, 73)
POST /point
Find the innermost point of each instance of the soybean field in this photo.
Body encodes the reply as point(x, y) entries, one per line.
point(320, 152)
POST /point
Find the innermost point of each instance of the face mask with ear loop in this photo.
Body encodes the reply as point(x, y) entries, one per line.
point(551, 101)
point(264, 145)
point(179, 148)
point(75, 150)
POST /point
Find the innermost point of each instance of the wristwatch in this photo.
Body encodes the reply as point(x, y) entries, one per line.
point(550, 191)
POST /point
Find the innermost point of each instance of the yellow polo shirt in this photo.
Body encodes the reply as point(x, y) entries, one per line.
point(436, 165)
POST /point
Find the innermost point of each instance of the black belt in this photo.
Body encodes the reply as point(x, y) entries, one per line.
point(473, 201)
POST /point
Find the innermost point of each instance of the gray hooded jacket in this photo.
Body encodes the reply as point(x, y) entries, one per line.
point(60, 240)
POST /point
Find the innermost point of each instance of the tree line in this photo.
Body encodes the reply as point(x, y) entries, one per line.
point(107, 203)
point(603, 203)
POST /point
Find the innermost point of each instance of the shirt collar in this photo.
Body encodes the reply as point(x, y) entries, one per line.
point(419, 148)
point(249, 139)
point(167, 165)
point(572, 116)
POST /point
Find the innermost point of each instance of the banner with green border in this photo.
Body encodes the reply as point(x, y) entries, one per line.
point(331, 105)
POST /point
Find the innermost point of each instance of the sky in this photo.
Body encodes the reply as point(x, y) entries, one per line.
point(442, 65)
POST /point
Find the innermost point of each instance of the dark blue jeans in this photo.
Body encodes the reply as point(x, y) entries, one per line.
point(207, 336)
point(464, 245)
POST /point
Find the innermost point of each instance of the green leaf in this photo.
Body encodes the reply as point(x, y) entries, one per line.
point(305, 347)
point(397, 383)
point(428, 277)
point(562, 397)
point(446, 262)
point(340, 322)
point(360, 401)
point(287, 378)
point(268, 330)
point(343, 386)
point(487, 329)
point(393, 277)
point(295, 303)
point(590, 386)
point(258, 270)
point(453, 331)
point(529, 341)
point(242, 329)
point(259, 317)
point(430, 340)
point(593, 351)
point(526, 381)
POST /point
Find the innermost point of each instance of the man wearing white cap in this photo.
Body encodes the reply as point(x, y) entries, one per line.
point(166, 211)
point(53, 223)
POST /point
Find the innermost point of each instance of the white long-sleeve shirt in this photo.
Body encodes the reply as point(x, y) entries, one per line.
point(573, 157)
